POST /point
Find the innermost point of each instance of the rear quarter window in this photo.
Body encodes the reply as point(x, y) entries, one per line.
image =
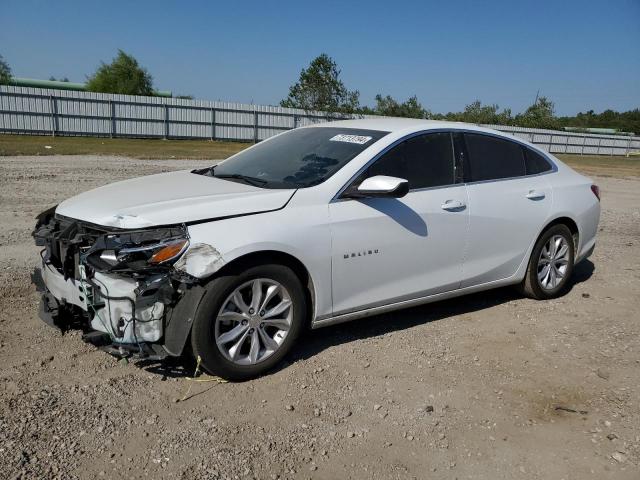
point(535, 163)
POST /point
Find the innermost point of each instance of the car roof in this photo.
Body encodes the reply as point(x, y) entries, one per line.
point(406, 125)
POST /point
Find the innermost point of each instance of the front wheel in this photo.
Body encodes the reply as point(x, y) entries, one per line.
point(550, 265)
point(248, 321)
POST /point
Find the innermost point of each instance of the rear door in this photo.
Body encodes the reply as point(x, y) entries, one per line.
point(386, 250)
point(507, 205)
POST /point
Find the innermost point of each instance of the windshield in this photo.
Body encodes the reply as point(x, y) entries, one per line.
point(297, 159)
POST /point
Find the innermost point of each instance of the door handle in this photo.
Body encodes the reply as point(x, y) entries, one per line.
point(533, 195)
point(451, 205)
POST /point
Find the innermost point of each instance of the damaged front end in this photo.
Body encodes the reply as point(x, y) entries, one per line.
point(121, 287)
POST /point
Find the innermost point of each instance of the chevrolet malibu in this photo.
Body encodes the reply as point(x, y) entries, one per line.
point(313, 227)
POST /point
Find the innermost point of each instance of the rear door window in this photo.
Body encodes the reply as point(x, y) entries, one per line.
point(493, 158)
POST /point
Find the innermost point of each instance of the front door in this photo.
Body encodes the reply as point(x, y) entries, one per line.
point(386, 250)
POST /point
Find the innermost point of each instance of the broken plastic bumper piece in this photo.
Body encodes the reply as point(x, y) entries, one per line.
point(119, 287)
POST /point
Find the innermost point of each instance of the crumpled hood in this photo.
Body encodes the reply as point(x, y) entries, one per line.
point(170, 198)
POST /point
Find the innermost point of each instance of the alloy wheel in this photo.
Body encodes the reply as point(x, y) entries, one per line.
point(254, 321)
point(553, 262)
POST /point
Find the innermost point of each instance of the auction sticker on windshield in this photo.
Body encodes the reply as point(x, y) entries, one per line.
point(358, 139)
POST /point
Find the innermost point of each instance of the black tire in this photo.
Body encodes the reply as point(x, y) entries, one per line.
point(218, 290)
point(531, 286)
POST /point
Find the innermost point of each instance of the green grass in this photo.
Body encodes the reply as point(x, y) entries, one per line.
point(604, 165)
point(135, 148)
point(612, 166)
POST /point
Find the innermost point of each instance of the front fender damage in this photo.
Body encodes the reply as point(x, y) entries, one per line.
point(200, 260)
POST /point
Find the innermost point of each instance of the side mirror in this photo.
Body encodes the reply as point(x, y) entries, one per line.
point(383, 186)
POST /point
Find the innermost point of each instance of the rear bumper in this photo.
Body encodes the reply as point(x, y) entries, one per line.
point(587, 251)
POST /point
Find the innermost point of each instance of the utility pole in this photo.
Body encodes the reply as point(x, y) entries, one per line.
point(535, 102)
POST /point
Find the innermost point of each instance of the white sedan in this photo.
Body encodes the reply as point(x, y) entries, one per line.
point(312, 227)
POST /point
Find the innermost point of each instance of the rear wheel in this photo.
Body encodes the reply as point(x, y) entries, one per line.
point(248, 321)
point(550, 265)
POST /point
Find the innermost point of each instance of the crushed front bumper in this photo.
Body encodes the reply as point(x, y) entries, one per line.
point(143, 313)
point(118, 322)
point(110, 302)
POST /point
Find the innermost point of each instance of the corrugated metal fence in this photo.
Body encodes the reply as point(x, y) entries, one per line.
point(39, 111)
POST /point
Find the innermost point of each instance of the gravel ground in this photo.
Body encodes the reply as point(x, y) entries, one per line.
point(488, 386)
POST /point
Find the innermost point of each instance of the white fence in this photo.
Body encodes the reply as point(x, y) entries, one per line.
point(36, 111)
point(556, 141)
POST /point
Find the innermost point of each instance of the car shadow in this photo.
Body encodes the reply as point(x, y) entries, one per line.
point(316, 341)
point(581, 273)
point(398, 212)
point(170, 367)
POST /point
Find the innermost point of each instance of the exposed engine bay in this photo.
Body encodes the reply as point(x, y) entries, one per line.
point(122, 287)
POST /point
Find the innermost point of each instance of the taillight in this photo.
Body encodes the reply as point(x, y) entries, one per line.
point(596, 191)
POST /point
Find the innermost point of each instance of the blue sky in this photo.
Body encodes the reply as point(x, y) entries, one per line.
point(582, 54)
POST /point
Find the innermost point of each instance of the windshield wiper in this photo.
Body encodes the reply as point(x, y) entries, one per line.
point(207, 171)
point(256, 182)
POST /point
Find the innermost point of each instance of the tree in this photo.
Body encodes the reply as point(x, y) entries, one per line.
point(123, 75)
point(320, 88)
point(5, 72)
point(390, 107)
point(475, 112)
point(54, 79)
point(538, 115)
point(623, 121)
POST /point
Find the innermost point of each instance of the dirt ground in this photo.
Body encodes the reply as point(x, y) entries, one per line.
point(490, 386)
